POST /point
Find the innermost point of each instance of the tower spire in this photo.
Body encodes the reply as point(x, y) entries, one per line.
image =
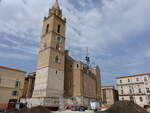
point(56, 5)
point(56, 9)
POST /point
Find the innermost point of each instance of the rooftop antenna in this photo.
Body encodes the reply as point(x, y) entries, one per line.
point(87, 58)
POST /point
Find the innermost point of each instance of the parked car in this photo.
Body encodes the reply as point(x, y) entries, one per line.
point(104, 107)
point(69, 106)
point(13, 105)
point(147, 108)
point(78, 108)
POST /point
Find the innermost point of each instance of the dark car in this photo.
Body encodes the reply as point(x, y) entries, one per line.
point(78, 108)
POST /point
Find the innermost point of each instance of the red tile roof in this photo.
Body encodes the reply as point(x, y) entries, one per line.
point(13, 69)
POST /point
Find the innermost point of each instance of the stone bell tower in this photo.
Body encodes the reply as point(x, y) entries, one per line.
point(49, 82)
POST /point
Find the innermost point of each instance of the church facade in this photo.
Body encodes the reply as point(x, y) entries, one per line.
point(59, 78)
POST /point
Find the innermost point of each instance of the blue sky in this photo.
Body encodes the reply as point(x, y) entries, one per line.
point(117, 33)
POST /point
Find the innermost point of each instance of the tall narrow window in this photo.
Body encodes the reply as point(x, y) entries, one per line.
point(77, 65)
point(58, 29)
point(128, 80)
point(17, 84)
point(120, 81)
point(148, 90)
point(148, 96)
point(56, 59)
point(121, 91)
point(140, 91)
point(141, 99)
point(130, 91)
point(131, 98)
point(145, 79)
point(47, 28)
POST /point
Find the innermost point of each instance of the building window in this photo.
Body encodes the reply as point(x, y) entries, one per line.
point(137, 79)
point(148, 96)
point(58, 29)
point(47, 28)
point(131, 98)
point(122, 98)
point(56, 59)
point(120, 81)
point(58, 38)
point(56, 71)
point(141, 99)
point(145, 79)
point(14, 93)
point(77, 65)
point(130, 91)
point(128, 80)
point(148, 90)
point(121, 91)
point(17, 84)
point(140, 91)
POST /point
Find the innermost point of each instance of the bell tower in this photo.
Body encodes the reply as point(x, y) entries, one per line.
point(49, 82)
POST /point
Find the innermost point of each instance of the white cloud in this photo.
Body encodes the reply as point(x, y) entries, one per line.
point(99, 28)
point(16, 56)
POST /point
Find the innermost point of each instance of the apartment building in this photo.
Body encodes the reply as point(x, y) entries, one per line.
point(135, 88)
point(11, 84)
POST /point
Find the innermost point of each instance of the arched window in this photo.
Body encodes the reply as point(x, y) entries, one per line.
point(47, 28)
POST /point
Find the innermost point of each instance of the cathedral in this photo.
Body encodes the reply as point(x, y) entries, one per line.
point(60, 79)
